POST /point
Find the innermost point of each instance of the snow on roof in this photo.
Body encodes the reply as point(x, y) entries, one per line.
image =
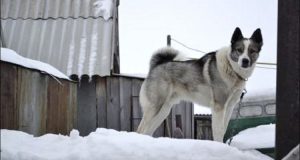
point(11, 56)
point(140, 76)
point(201, 110)
point(260, 95)
point(110, 144)
point(262, 136)
point(103, 7)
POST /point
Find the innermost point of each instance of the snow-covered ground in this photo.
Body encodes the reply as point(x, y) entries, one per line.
point(109, 144)
point(11, 56)
point(262, 136)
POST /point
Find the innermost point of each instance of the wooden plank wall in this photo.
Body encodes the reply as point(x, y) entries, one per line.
point(87, 112)
point(117, 107)
point(36, 103)
point(9, 110)
point(203, 128)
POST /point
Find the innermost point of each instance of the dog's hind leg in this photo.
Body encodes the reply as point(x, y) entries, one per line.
point(160, 116)
point(148, 115)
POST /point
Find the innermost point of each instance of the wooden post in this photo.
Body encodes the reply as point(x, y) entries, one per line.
point(287, 97)
point(166, 123)
point(169, 40)
point(2, 44)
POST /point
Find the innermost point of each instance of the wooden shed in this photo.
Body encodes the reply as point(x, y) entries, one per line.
point(83, 44)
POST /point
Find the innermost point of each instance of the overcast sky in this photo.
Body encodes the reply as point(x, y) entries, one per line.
point(203, 24)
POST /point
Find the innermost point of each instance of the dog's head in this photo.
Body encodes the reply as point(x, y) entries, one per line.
point(245, 51)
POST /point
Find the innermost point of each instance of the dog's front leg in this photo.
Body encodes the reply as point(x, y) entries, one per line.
point(229, 106)
point(218, 128)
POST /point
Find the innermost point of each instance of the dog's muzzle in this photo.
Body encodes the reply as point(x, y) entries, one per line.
point(245, 63)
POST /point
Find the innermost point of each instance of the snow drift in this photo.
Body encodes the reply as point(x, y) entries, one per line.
point(109, 144)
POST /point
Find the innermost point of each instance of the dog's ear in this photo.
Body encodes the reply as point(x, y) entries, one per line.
point(237, 35)
point(257, 37)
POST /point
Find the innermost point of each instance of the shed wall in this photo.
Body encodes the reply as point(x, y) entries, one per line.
point(117, 107)
point(36, 103)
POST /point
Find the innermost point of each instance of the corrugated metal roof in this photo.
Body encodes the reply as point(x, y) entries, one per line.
point(74, 41)
point(74, 46)
point(45, 9)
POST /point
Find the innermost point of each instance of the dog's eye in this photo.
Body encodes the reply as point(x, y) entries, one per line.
point(240, 50)
point(252, 51)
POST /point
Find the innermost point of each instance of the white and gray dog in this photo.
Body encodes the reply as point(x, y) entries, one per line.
point(216, 80)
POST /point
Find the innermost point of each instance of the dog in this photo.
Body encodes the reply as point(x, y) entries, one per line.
point(216, 80)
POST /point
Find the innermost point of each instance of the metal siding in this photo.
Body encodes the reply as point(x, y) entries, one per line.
point(35, 9)
point(67, 44)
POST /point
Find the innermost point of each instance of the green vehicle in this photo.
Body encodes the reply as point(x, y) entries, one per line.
point(254, 111)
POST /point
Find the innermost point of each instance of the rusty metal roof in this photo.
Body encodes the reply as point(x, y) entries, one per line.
point(67, 34)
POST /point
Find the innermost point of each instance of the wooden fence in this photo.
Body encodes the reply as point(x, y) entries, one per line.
point(36, 103)
point(203, 128)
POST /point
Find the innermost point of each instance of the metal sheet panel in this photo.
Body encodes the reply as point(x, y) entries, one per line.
point(74, 46)
point(44, 9)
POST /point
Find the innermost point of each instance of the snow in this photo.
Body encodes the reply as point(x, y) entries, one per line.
point(113, 145)
point(259, 95)
point(262, 136)
point(11, 56)
point(201, 109)
point(94, 49)
point(82, 51)
point(70, 57)
point(103, 7)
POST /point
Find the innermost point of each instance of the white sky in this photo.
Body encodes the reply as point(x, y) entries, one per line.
point(206, 25)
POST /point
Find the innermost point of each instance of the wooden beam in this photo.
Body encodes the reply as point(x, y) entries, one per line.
point(287, 129)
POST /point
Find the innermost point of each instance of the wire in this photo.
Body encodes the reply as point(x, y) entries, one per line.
point(197, 50)
point(266, 63)
point(265, 67)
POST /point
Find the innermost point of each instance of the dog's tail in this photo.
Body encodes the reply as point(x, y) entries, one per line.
point(164, 55)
